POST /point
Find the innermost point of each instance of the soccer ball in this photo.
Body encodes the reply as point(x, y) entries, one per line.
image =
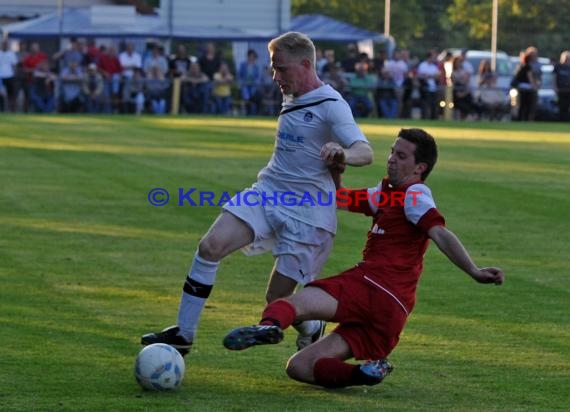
point(159, 367)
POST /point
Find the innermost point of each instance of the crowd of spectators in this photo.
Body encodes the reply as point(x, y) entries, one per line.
point(90, 78)
point(86, 78)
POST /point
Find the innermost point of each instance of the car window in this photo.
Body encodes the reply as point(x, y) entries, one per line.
point(547, 80)
point(503, 65)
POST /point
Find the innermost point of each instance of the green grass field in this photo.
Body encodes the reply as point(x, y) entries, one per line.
point(87, 265)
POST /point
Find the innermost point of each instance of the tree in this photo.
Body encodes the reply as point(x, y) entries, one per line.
point(521, 23)
point(420, 25)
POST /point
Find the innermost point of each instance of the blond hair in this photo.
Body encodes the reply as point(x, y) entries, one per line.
point(296, 45)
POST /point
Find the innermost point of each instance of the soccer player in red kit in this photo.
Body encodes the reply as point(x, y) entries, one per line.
point(372, 300)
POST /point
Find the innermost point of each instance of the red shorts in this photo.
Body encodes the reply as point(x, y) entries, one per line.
point(369, 319)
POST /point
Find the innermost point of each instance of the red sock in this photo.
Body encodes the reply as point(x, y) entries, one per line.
point(280, 313)
point(334, 373)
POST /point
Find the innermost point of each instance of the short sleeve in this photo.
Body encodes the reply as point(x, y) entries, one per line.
point(420, 208)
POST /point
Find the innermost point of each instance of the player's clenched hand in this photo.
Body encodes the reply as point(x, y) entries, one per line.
point(332, 153)
point(489, 275)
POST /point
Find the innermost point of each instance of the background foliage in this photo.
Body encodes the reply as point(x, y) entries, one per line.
point(420, 25)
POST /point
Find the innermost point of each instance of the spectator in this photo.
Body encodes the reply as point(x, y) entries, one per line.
point(179, 63)
point(92, 88)
point(196, 90)
point(134, 93)
point(397, 67)
point(111, 70)
point(272, 98)
point(20, 78)
point(527, 86)
point(349, 62)
point(29, 64)
point(130, 60)
point(491, 99)
point(249, 77)
point(92, 52)
point(378, 63)
point(321, 62)
point(462, 98)
point(71, 99)
point(156, 90)
point(468, 69)
point(335, 77)
point(535, 65)
point(222, 89)
point(210, 60)
point(8, 63)
point(331, 61)
point(3, 96)
point(42, 94)
point(429, 76)
point(562, 85)
point(386, 96)
point(156, 59)
point(362, 86)
point(73, 53)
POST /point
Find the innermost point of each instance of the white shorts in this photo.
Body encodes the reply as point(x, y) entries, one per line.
point(300, 249)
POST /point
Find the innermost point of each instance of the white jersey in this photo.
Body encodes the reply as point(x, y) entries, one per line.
point(305, 124)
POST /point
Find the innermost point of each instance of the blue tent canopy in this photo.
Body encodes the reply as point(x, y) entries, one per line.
point(322, 28)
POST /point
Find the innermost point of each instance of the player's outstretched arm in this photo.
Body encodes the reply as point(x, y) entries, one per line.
point(452, 247)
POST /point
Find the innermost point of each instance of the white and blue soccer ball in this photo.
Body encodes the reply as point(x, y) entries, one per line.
point(159, 367)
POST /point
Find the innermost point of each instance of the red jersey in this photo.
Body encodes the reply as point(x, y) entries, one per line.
point(109, 64)
point(397, 241)
point(31, 61)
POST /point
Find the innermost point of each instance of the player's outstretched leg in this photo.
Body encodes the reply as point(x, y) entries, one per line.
point(335, 373)
point(248, 336)
point(171, 337)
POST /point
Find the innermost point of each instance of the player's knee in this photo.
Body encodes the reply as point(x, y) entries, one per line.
point(272, 295)
point(300, 367)
point(297, 370)
point(210, 249)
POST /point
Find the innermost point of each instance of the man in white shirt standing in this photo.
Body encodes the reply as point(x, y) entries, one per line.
point(398, 70)
point(8, 62)
point(429, 75)
point(291, 209)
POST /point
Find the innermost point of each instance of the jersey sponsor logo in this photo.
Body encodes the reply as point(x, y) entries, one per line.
point(290, 139)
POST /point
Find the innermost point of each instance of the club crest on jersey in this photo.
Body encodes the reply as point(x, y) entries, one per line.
point(377, 230)
point(308, 117)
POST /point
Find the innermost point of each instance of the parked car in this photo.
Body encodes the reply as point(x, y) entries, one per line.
point(547, 98)
point(503, 70)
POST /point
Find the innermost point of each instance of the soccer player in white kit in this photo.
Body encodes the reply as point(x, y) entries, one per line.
point(291, 209)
